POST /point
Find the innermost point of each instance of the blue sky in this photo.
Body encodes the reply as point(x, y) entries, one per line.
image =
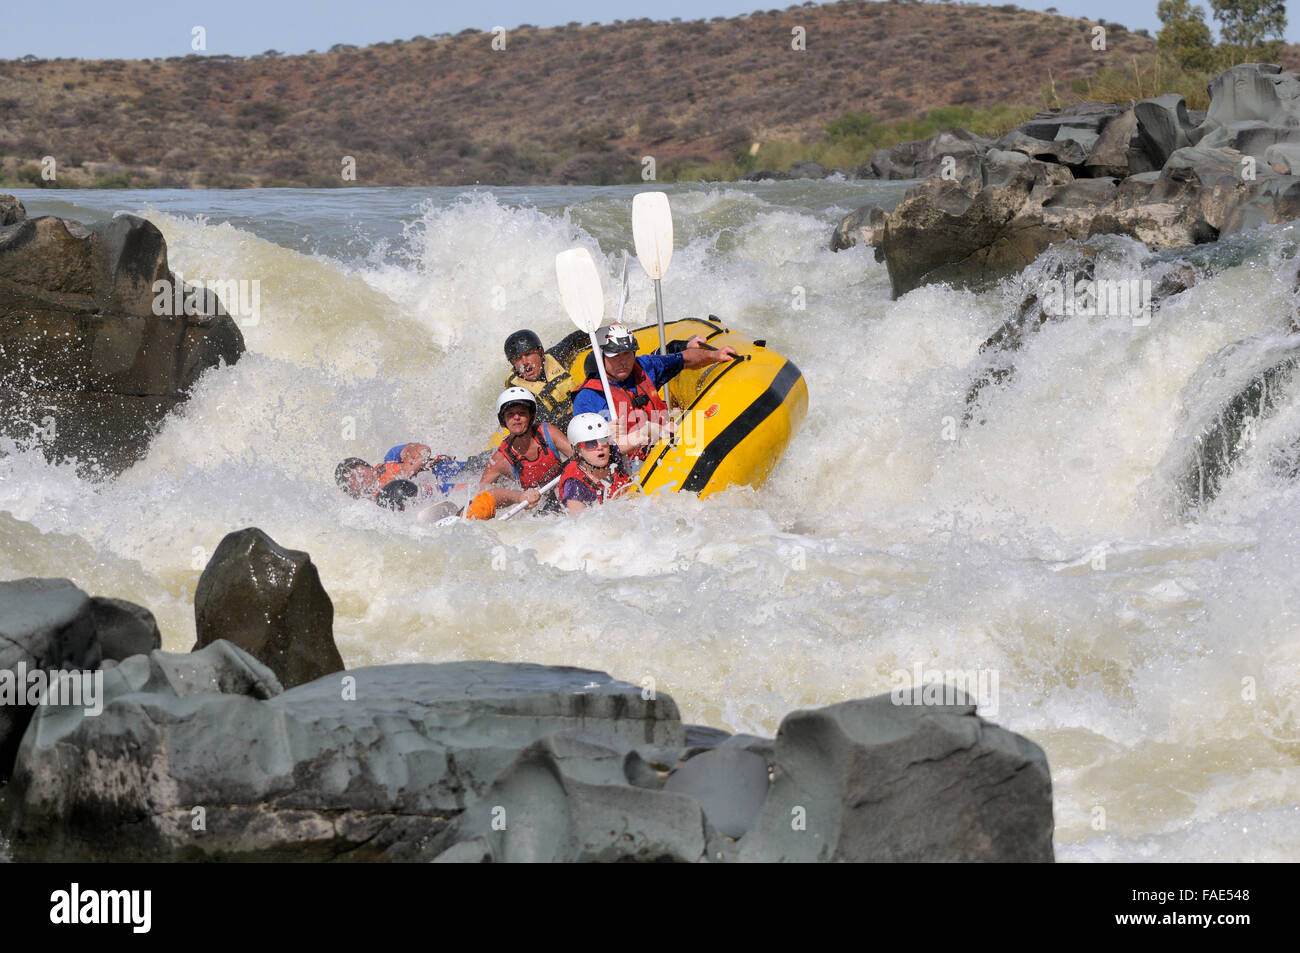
point(92, 29)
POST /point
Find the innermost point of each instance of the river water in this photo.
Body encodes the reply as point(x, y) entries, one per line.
point(1154, 653)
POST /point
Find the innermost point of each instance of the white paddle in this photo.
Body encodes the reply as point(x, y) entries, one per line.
point(519, 506)
point(652, 232)
point(583, 299)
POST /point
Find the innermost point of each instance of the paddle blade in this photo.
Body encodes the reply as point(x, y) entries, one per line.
point(580, 290)
point(652, 231)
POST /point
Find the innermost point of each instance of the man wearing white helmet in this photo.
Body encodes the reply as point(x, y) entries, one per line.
point(595, 474)
point(532, 453)
point(640, 416)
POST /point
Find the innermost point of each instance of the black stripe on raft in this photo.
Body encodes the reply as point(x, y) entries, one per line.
point(741, 427)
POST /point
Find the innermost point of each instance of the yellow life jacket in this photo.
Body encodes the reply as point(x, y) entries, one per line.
point(553, 390)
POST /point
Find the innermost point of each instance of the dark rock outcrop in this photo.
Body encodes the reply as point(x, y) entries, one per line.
point(851, 780)
point(87, 369)
point(1160, 177)
point(12, 210)
point(974, 230)
point(925, 157)
point(125, 629)
point(202, 756)
point(372, 764)
point(269, 601)
point(205, 756)
point(45, 625)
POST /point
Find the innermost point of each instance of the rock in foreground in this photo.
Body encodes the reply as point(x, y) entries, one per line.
point(270, 602)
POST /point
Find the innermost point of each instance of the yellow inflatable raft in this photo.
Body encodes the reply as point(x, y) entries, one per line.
point(736, 418)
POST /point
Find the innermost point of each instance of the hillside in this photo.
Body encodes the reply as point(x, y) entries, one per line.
point(569, 104)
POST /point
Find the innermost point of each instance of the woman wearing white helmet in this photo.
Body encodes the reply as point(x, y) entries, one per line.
point(532, 453)
point(595, 474)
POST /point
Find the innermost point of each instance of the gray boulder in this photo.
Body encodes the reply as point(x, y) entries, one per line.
point(568, 798)
point(729, 780)
point(124, 628)
point(869, 780)
point(372, 764)
point(1259, 91)
point(11, 210)
point(270, 602)
point(46, 625)
point(1080, 121)
point(861, 227)
point(80, 344)
point(1163, 127)
point(1066, 151)
point(1250, 137)
point(1283, 158)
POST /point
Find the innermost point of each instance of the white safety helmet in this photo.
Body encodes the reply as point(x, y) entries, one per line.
point(514, 395)
point(586, 427)
point(615, 339)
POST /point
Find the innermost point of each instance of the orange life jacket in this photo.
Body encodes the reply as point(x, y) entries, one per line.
point(652, 406)
point(386, 473)
point(603, 491)
point(534, 473)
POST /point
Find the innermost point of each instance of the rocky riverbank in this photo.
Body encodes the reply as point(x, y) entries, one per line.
point(207, 756)
point(1150, 170)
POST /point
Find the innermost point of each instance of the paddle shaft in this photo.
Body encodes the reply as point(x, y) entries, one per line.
point(519, 506)
point(663, 343)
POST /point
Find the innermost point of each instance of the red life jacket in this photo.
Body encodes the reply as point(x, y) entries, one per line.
point(603, 491)
point(534, 473)
point(386, 473)
point(653, 407)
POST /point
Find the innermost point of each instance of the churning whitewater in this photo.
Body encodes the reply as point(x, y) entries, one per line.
point(1150, 646)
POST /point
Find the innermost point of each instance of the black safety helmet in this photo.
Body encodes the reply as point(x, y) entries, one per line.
point(344, 470)
point(521, 342)
point(395, 494)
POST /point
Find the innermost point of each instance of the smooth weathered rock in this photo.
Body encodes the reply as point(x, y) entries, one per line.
point(1163, 127)
point(373, 763)
point(1081, 121)
point(860, 227)
point(12, 210)
point(1284, 158)
point(869, 780)
point(124, 628)
point(269, 601)
point(1253, 91)
point(88, 367)
point(45, 624)
point(1249, 137)
point(1109, 153)
point(730, 781)
point(566, 798)
point(1064, 151)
